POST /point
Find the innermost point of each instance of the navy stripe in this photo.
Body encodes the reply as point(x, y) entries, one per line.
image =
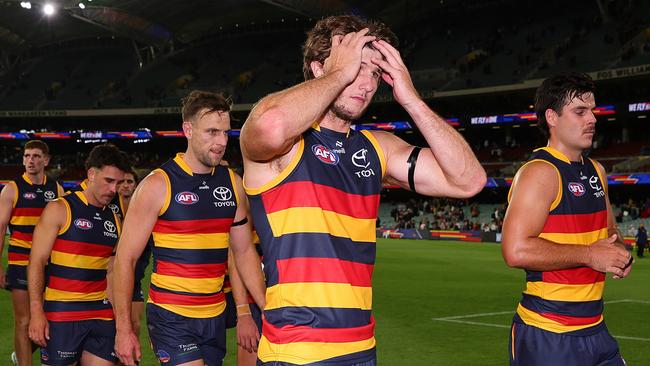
point(55, 306)
point(18, 250)
point(325, 317)
point(190, 256)
point(72, 273)
point(533, 276)
point(576, 333)
point(27, 229)
point(570, 308)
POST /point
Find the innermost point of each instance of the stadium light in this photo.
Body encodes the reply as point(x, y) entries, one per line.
point(82, 6)
point(48, 9)
point(25, 5)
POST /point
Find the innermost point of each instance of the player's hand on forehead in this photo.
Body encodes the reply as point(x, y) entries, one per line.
point(345, 54)
point(395, 73)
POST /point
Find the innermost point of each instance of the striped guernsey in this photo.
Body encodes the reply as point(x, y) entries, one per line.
point(316, 223)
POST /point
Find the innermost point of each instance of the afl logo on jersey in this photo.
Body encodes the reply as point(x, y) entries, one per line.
point(187, 198)
point(577, 189)
point(325, 155)
point(83, 224)
point(29, 195)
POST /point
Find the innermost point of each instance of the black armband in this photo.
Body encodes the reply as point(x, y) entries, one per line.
point(240, 222)
point(412, 161)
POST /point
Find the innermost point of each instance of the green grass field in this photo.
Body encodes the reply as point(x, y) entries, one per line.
point(418, 282)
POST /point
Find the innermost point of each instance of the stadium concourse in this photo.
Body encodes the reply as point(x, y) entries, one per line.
point(91, 72)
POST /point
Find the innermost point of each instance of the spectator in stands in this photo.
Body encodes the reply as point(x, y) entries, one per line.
point(641, 240)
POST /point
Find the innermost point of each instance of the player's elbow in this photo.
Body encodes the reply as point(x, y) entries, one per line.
point(513, 257)
point(271, 123)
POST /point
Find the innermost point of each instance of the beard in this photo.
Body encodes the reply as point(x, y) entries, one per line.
point(206, 159)
point(339, 110)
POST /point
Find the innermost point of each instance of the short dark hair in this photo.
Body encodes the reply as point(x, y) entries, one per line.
point(108, 155)
point(134, 174)
point(198, 100)
point(38, 144)
point(558, 91)
point(319, 39)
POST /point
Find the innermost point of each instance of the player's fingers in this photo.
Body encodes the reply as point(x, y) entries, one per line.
point(356, 36)
point(347, 38)
point(47, 331)
point(389, 49)
point(336, 40)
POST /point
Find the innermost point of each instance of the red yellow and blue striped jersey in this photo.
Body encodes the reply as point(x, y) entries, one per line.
point(316, 223)
point(29, 202)
point(76, 286)
point(191, 239)
point(569, 300)
point(116, 205)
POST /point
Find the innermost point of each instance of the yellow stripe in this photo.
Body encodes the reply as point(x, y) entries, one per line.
point(191, 241)
point(79, 261)
point(25, 220)
point(20, 243)
point(17, 193)
point(197, 311)
point(564, 292)
point(18, 263)
point(231, 173)
point(68, 217)
point(378, 149)
point(302, 353)
point(532, 318)
point(58, 295)
point(82, 197)
point(168, 191)
point(556, 153)
point(512, 339)
point(316, 220)
point(585, 238)
point(283, 174)
point(178, 159)
point(183, 284)
point(319, 295)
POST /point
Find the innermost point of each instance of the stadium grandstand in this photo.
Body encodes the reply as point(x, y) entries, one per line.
point(114, 71)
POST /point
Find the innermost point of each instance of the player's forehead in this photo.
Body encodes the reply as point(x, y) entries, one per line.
point(213, 119)
point(33, 151)
point(586, 100)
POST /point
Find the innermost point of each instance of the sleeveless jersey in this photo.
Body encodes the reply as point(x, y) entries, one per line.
point(116, 205)
point(191, 239)
point(76, 288)
point(29, 203)
point(316, 223)
point(569, 300)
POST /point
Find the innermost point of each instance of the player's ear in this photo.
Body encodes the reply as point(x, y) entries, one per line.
point(316, 69)
point(187, 129)
point(551, 117)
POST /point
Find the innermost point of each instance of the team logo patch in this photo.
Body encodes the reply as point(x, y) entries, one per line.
point(325, 155)
point(44, 355)
point(187, 198)
point(577, 189)
point(109, 226)
point(29, 195)
point(163, 356)
point(49, 195)
point(222, 193)
point(359, 159)
point(83, 224)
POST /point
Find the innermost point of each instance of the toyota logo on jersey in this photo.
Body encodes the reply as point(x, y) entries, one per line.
point(187, 198)
point(325, 155)
point(577, 189)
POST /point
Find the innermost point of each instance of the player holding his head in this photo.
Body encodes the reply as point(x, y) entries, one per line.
point(559, 227)
point(314, 186)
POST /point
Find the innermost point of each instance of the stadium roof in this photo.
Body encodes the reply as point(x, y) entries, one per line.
point(158, 22)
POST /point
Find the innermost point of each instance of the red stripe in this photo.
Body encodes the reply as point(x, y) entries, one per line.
point(27, 211)
point(577, 223)
point(68, 316)
point(292, 333)
point(22, 236)
point(13, 257)
point(84, 287)
point(77, 247)
point(176, 299)
point(332, 270)
point(574, 276)
point(207, 226)
point(308, 194)
point(571, 320)
point(190, 270)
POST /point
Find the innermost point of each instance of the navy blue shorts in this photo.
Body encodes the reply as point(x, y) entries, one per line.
point(16, 277)
point(138, 296)
point(532, 346)
point(177, 339)
point(68, 340)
